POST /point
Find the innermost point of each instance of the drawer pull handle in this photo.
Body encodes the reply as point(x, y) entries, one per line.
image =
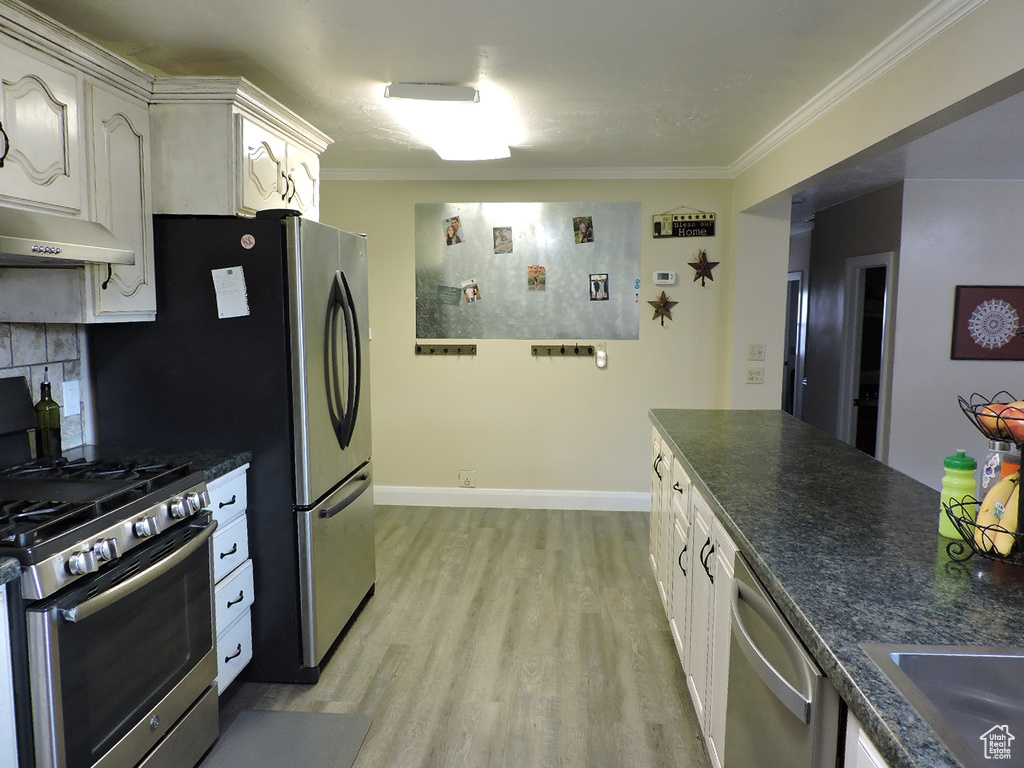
point(234, 548)
point(237, 600)
point(228, 503)
point(235, 655)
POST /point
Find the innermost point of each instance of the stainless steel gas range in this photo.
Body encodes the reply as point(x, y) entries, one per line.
point(114, 634)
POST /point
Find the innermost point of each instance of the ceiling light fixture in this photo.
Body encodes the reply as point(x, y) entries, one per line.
point(431, 92)
point(451, 119)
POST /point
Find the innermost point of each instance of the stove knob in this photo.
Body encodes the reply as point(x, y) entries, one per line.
point(204, 499)
point(107, 550)
point(147, 526)
point(195, 503)
point(83, 562)
point(179, 509)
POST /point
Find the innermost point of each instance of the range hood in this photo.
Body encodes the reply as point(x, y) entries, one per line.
point(32, 239)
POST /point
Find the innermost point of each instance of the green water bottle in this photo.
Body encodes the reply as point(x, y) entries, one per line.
point(958, 485)
point(47, 421)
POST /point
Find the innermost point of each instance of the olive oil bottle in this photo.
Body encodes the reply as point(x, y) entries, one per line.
point(47, 421)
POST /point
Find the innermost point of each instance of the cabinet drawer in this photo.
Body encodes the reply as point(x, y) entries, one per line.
point(233, 596)
point(230, 547)
point(228, 496)
point(234, 651)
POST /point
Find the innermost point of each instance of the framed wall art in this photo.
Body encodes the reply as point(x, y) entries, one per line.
point(987, 322)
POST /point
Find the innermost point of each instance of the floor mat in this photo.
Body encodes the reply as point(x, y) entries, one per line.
point(272, 739)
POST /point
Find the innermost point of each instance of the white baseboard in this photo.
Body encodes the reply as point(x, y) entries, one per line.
point(509, 498)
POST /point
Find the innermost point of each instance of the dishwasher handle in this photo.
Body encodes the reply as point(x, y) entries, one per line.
point(795, 701)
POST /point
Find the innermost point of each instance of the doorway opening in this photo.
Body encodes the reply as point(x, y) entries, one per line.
point(869, 299)
point(793, 357)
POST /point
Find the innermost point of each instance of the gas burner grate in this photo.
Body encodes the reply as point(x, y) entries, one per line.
point(24, 523)
point(86, 469)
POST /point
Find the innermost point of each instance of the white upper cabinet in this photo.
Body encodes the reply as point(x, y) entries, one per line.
point(119, 144)
point(222, 146)
point(39, 111)
point(76, 120)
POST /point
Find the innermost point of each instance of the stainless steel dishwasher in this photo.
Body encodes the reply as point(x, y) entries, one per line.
point(781, 711)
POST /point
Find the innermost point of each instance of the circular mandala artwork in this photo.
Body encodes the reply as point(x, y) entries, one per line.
point(993, 324)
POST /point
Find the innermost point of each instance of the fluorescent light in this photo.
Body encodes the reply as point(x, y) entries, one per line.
point(431, 92)
point(453, 120)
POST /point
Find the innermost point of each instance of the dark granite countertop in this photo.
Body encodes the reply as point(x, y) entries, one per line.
point(850, 550)
point(213, 462)
point(10, 569)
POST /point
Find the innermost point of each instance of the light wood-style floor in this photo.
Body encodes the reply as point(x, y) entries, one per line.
point(518, 638)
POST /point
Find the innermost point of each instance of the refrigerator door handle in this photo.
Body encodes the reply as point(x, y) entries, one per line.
point(343, 416)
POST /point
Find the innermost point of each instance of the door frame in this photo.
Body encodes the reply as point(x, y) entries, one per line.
point(799, 278)
point(849, 372)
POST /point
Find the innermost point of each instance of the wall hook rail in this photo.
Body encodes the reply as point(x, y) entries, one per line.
point(562, 350)
point(452, 350)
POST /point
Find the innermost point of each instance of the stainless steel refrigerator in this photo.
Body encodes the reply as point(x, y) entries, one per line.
point(261, 344)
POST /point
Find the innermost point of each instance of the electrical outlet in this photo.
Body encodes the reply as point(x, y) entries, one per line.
point(755, 374)
point(755, 351)
point(467, 478)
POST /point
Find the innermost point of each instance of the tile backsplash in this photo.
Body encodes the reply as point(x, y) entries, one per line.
point(27, 349)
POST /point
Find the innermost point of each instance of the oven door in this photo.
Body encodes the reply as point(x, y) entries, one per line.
point(117, 662)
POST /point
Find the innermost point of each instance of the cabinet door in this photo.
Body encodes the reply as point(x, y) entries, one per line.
point(8, 739)
point(679, 618)
point(658, 468)
point(263, 178)
point(725, 553)
point(119, 159)
point(860, 752)
point(39, 113)
point(702, 590)
point(665, 543)
point(303, 182)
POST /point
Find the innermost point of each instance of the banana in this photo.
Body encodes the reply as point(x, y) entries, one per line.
point(992, 510)
point(1004, 537)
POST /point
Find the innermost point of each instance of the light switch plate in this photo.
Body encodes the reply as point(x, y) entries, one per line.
point(72, 398)
point(755, 351)
point(755, 374)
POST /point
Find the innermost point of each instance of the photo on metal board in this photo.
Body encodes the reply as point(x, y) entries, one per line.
point(583, 228)
point(453, 234)
point(502, 240)
point(599, 287)
point(536, 277)
point(471, 291)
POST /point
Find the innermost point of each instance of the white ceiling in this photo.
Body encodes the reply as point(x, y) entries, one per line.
point(596, 83)
point(653, 85)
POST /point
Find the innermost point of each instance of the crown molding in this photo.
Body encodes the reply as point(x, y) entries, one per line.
point(476, 172)
point(926, 25)
point(29, 27)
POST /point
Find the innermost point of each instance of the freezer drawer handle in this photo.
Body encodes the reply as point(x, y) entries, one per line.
point(235, 655)
point(237, 600)
point(229, 502)
point(794, 700)
point(361, 482)
point(230, 552)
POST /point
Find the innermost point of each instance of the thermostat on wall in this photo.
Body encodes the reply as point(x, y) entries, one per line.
point(664, 278)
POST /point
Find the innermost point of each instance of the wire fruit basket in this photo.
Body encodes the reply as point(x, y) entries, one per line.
point(1000, 417)
point(991, 541)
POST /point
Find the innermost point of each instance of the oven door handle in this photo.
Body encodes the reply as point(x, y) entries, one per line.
point(96, 604)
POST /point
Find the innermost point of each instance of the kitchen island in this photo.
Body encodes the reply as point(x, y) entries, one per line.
point(849, 549)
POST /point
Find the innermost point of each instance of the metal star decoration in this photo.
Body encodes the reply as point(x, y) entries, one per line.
point(703, 267)
point(662, 308)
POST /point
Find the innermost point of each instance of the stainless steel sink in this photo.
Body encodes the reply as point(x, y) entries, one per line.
point(972, 697)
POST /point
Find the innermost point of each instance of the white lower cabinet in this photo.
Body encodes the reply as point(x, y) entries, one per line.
point(692, 558)
point(860, 752)
point(233, 575)
point(8, 737)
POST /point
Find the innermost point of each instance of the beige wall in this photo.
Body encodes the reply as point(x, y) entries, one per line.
point(973, 64)
point(521, 422)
